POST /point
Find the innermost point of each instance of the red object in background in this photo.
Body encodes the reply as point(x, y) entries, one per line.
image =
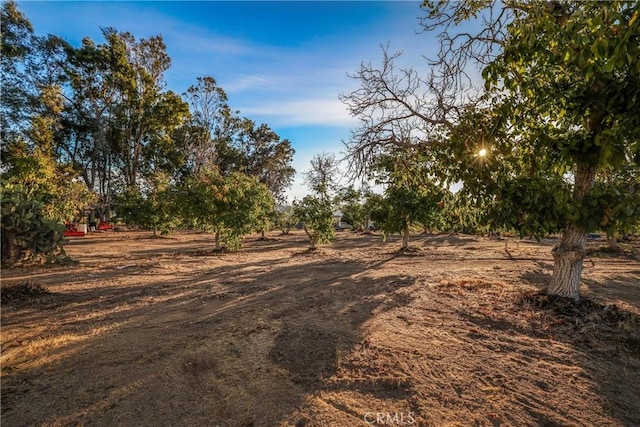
point(105, 226)
point(72, 231)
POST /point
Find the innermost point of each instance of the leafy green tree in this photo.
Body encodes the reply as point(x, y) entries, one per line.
point(229, 206)
point(571, 100)
point(265, 155)
point(618, 196)
point(218, 138)
point(316, 216)
point(250, 206)
point(285, 219)
point(89, 111)
point(16, 36)
point(560, 107)
point(352, 204)
point(405, 204)
point(211, 127)
point(462, 213)
point(315, 211)
point(31, 163)
point(155, 209)
point(145, 117)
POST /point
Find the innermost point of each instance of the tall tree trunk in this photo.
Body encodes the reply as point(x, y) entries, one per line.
point(405, 238)
point(569, 253)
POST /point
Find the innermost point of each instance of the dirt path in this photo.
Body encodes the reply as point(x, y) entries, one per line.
point(159, 332)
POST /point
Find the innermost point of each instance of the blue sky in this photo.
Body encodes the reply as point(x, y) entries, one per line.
point(281, 63)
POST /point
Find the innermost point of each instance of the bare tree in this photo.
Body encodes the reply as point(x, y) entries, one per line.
point(323, 175)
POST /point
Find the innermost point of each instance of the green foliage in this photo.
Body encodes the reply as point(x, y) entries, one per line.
point(573, 73)
point(229, 206)
point(99, 114)
point(63, 197)
point(411, 195)
point(261, 153)
point(16, 34)
point(615, 201)
point(404, 205)
point(316, 215)
point(560, 111)
point(285, 219)
point(217, 138)
point(461, 213)
point(155, 210)
point(27, 233)
point(351, 204)
point(561, 108)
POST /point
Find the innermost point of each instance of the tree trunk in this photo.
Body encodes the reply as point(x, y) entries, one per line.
point(567, 267)
point(569, 253)
point(312, 238)
point(217, 240)
point(10, 251)
point(405, 238)
point(612, 242)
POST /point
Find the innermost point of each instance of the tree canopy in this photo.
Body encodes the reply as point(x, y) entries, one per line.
point(558, 108)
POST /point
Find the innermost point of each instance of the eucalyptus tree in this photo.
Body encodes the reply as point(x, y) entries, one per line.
point(265, 155)
point(16, 35)
point(31, 77)
point(211, 126)
point(217, 137)
point(145, 116)
point(559, 106)
point(87, 119)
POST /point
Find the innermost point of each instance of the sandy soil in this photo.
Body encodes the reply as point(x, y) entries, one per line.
point(163, 332)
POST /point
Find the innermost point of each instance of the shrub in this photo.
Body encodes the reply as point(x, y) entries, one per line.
point(27, 234)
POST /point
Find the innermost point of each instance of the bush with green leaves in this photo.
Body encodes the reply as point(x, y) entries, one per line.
point(354, 210)
point(404, 205)
point(229, 206)
point(316, 216)
point(27, 233)
point(284, 218)
point(155, 210)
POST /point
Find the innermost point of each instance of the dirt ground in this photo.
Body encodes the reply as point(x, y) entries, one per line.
point(164, 332)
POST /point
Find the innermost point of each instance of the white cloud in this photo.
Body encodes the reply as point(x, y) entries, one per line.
point(299, 112)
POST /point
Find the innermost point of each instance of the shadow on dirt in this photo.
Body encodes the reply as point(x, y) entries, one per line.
point(244, 341)
point(321, 328)
point(604, 342)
